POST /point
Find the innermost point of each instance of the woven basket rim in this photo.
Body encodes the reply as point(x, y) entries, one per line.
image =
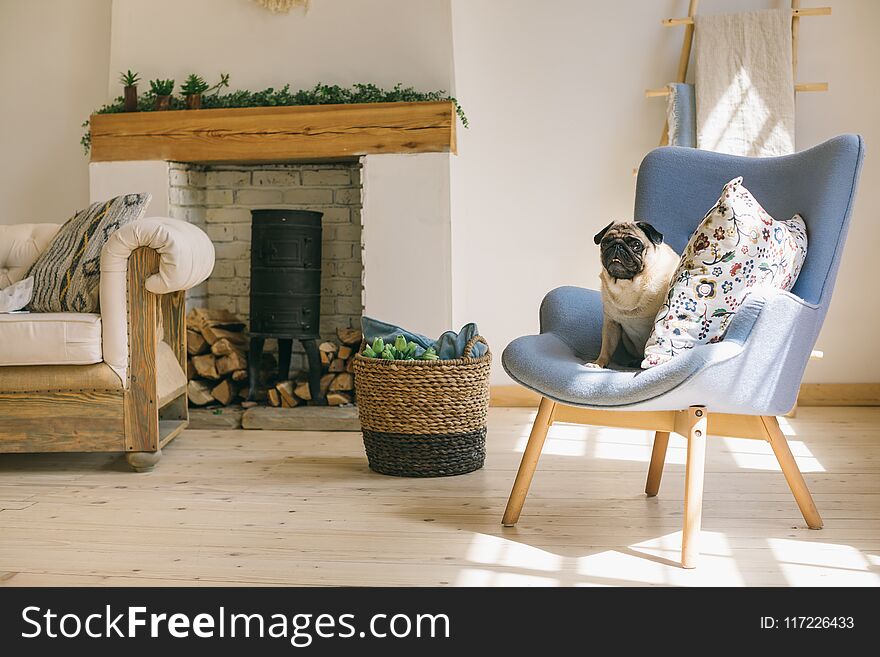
point(469, 360)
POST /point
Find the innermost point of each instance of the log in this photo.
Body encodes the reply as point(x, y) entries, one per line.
point(240, 375)
point(224, 347)
point(345, 352)
point(224, 392)
point(274, 397)
point(302, 391)
point(285, 389)
point(349, 364)
point(199, 393)
point(336, 365)
point(337, 399)
point(342, 383)
point(200, 318)
point(329, 347)
point(190, 369)
point(328, 352)
point(213, 334)
point(206, 366)
point(349, 336)
point(195, 343)
point(230, 363)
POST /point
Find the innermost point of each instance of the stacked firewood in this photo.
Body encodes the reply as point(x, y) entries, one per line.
point(216, 346)
point(337, 380)
point(217, 365)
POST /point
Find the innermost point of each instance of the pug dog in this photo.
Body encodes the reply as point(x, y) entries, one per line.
point(636, 269)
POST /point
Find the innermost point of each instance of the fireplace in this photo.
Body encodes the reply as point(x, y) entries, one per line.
point(222, 200)
point(367, 187)
point(285, 290)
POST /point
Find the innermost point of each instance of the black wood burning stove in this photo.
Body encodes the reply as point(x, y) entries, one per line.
point(286, 290)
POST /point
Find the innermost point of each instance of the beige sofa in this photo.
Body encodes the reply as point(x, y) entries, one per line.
point(113, 381)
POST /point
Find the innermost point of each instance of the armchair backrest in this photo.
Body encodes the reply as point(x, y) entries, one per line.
point(20, 246)
point(677, 186)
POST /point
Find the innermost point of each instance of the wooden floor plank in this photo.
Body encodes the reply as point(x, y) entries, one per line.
point(270, 508)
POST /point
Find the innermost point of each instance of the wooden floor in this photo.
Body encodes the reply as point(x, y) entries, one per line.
point(260, 507)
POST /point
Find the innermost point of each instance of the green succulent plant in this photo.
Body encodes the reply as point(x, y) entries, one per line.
point(224, 82)
point(162, 87)
point(194, 85)
point(129, 79)
point(400, 349)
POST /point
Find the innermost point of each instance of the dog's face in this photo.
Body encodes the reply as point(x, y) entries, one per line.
point(626, 247)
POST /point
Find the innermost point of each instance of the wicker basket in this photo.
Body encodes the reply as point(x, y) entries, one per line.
point(424, 418)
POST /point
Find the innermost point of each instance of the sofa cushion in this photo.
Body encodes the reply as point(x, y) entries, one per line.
point(20, 246)
point(67, 274)
point(50, 339)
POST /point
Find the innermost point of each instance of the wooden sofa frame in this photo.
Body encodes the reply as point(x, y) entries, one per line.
point(134, 420)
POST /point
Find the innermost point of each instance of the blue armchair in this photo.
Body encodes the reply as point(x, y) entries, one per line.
point(735, 387)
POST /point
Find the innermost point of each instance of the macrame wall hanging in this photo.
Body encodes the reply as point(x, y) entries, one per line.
point(283, 6)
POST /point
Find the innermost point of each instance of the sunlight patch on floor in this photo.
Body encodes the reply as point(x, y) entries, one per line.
point(563, 440)
point(605, 443)
point(634, 445)
point(806, 563)
point(481, 577)
point(502, 552)
point(785, 425)
point(758, 455)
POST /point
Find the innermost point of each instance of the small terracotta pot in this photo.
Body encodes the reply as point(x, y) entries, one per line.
point(130, 98)
point(163, 102)
point(194, 101)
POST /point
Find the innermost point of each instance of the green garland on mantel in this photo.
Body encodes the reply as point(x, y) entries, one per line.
point(320, 94)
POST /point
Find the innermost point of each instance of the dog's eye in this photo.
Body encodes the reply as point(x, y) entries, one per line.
point(637, 246)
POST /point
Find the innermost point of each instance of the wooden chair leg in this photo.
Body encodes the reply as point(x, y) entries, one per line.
point(792, 473)
point(529, 462)
point(658, 459)
point(693, 485)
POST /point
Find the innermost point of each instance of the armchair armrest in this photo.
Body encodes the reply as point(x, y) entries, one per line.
point(574, 315)
point(758, 367)
point(185, 259)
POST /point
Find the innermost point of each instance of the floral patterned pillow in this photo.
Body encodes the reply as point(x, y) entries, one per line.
point(737, 249)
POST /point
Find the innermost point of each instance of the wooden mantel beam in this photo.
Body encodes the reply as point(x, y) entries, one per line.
point(274, 134)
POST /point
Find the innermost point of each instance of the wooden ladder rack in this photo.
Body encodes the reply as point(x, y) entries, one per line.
point(796, 13)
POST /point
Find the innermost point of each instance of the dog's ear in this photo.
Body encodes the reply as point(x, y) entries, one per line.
point(598, 236)
point(653, 234)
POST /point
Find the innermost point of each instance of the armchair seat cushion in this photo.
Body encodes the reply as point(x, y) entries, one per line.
point(50, 339)
point(546, 364)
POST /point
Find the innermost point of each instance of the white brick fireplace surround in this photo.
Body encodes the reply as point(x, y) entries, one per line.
point(405, 240)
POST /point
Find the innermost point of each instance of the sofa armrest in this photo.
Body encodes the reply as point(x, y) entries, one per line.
point(185, 259)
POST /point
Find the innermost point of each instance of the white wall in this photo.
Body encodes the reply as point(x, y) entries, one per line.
point(336, 42)
point(53, 64)
point(554, 94)
point(407, 277)
point(553, 90)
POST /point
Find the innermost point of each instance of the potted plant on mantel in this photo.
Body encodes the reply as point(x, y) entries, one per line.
point(162, 89)
point(193, 89)
point(129, 82)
